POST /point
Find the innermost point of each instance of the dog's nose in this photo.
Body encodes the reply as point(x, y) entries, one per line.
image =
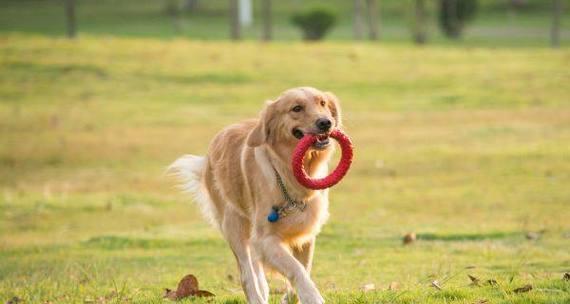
point(323, 124)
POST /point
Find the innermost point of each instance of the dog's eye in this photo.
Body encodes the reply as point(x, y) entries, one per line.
point(297, 109)
point(323, 103)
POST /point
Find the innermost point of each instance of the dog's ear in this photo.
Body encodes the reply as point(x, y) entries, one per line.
point(260, 133)
point(334, 108)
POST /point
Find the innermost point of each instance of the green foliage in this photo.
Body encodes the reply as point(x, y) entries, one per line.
point(454, 15)
point(314, 23)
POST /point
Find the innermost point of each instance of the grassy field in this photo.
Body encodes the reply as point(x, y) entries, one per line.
point(467, 147)
point(495, 24)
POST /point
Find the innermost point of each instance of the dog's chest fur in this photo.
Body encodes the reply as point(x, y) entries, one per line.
point(300, 225)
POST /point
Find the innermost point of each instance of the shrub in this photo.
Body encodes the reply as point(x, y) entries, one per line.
point(314, 23)
point(454, 14)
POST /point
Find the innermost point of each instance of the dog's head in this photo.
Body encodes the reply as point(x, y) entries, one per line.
point(297, 112)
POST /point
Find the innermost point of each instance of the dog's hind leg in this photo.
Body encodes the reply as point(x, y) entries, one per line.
point(236, 232)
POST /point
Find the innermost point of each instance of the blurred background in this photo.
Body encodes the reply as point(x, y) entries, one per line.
point(477, 22)
point(459, 111)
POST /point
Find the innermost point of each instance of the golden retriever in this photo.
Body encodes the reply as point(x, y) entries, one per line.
point(237, 186)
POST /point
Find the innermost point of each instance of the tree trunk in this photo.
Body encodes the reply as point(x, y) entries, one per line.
point(70, 19)
point(190, 5)
point(358, 22)
point(555, 27)
point(453, 20)
point(235, 30)
point(420, 36)
point(372, 19)
point(266, 12)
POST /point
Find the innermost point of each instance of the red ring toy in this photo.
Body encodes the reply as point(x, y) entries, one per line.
point(322, 183)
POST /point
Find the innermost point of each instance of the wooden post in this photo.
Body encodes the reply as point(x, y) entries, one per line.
point(266, 12)
point(372, 19)
point(420, 36)
point(235, 27)
point(70, 20)
point(555, 27)
point(358, 22)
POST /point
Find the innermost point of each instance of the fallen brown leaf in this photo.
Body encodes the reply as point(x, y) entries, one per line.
point(474, 281)
point(481, 301)
point(566, 276)
point(394, 286)
point(14, 300)
point(187, 287)
point(492, 282)
point(525, 288)
point(409, 238)
point(204, 294)
point(435, 284)
point(169, 294)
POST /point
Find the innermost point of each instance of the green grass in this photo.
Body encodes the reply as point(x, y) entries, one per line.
point(467, 147)
point(495, 24)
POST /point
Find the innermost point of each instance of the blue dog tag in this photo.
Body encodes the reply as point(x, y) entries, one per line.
point(273, 216)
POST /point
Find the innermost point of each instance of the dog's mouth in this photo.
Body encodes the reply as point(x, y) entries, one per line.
point(322, 142)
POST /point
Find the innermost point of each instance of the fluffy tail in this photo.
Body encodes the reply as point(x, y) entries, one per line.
point(189, 170)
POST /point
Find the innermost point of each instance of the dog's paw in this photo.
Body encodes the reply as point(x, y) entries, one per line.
point(310, 295)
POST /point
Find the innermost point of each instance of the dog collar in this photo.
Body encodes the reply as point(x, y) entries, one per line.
point(291, 205)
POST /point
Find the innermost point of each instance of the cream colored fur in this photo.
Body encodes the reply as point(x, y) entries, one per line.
point(235, 186)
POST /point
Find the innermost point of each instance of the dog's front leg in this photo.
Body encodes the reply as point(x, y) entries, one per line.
point(236, 233)
point(275, 254)
point(303, 254)
point(261, 280)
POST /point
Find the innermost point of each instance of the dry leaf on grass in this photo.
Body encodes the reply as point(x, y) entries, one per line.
point(525, 288)
point(394, 286)
point(492, 282)
point(368, 287)
point(187, 287)
point(436, 285)
point(533, 236)
point(409, 238)
point(474, 281)
point(14, 300)
point(204, 294)
point(481, 301)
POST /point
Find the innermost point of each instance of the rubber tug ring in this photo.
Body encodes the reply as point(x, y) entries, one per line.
point(336, 175)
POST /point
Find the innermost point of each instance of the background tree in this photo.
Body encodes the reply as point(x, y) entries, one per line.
point(420, 35)
point(70, 19)
point(172, 9)
point(454, 15)
point(235, 27)
point(555, 27)
point(358, 20)
point(266, 16)
point(190, 5)
point(372, 10)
